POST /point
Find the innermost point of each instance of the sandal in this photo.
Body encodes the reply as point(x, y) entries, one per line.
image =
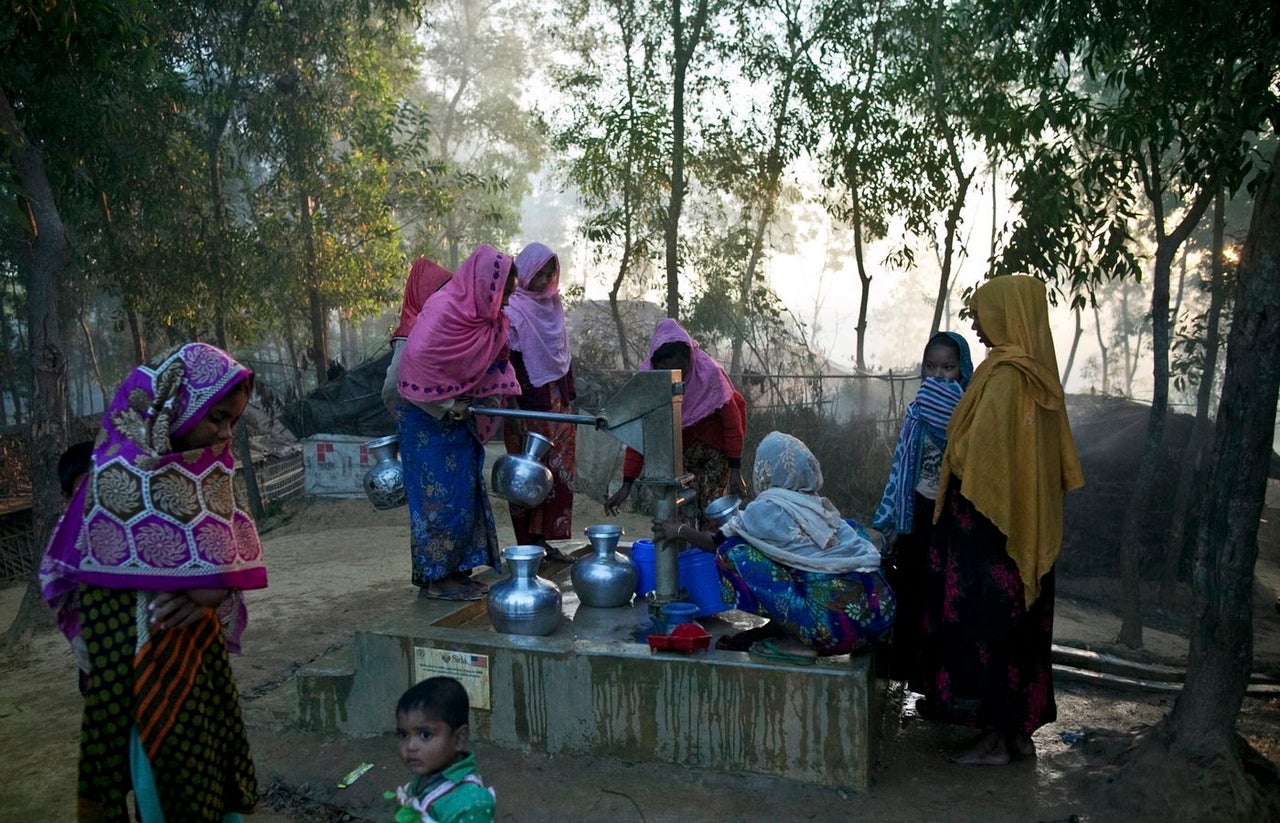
point(742, 641)
point(557, 556)
point(469, 591)
point(768, 649)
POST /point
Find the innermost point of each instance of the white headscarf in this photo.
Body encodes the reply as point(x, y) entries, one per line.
point(790, 522)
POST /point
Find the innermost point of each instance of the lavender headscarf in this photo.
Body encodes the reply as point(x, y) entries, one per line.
point(150, 518)
point(537, 319)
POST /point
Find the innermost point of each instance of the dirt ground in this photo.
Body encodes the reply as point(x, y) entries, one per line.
point(336, 565)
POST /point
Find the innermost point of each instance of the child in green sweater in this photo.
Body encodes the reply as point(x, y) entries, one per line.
point(432, 734)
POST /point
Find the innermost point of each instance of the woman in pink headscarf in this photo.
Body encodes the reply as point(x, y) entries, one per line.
point(426, 277)
point(540, 355)
point(713, 419)
point(457, 359)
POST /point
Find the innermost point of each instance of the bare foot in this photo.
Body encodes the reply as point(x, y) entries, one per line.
point(987, 750)
point(1020, 745)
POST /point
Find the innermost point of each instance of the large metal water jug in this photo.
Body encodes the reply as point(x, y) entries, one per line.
point(523, 478)
point(606, 578)
point(384, 481)
point(524, 603)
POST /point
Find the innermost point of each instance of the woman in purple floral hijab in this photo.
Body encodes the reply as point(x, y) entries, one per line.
point(145, 572)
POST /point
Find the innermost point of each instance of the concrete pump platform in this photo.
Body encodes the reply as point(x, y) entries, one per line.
point(592, 688)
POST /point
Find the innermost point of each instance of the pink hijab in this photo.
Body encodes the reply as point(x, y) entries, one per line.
point(457, 353)
point(706, 386)
point(425, 279)
point(537, 319)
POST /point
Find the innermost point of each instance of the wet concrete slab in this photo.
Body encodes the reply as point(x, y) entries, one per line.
point(591, 687)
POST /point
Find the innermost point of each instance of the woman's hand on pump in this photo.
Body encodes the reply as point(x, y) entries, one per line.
point(675, 530)
point(460, 410)
point(667, 529)
point(619, 497)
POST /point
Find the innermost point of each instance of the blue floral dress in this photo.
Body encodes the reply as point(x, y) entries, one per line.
point(830, 613)
point(450, 517)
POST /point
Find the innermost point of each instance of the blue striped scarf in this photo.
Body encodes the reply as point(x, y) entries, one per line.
point(927, 416)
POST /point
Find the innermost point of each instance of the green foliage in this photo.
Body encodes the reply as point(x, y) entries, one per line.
point(472, 169)
point(180, 137)
point(1127, 98)
point(612, 132)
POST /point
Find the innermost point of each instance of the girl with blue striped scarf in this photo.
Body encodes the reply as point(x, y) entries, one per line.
point(905, 514)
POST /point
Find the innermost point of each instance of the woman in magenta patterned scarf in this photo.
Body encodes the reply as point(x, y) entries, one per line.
point(145, 571)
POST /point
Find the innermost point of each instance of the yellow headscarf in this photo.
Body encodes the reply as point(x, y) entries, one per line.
point(1009, 440)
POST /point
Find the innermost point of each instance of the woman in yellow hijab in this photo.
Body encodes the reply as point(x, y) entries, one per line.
point(1010, 459)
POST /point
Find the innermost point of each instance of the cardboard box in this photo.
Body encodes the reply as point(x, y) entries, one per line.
point(334, 465)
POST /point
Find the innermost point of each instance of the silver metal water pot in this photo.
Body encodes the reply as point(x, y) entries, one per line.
point(523, 478)
point(384, 481)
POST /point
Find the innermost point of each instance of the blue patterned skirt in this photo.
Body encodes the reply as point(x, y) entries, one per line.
point(450, 519)
point(830, 613)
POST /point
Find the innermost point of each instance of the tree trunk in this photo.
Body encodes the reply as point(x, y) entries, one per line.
point(686, 36)
point(864, 279)
point(1197, 452)
point(1075, 344)
point(135, 333)
point(675, 201)
point(955, 159)
point(8, 377)
point(47, 253)
point(294, 361)
point(1140, 499)
point(319, 330)
point(1126, 369)
point(1221, 656)
point(1167, 245)
point(244, 456)
point(769, 199)
point(753, 261)
point(948, 252)
point(83, 320)
point(618, 324)
point(240, 448)
point(11, 343)
point(1102, 348)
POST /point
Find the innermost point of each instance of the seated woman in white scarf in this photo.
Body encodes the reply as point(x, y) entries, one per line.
point(789, 556)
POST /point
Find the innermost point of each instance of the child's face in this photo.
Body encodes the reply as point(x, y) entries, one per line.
point(427, 745)
point(941, 362)
point(215, 426)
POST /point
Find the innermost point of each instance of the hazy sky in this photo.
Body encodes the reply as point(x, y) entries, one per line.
point(817, 279)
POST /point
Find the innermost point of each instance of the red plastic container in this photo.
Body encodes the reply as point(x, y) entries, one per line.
point(687, 637)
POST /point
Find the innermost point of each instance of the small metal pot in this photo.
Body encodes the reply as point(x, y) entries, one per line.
point(522, 478)
point(384, 481)
point(719, 511)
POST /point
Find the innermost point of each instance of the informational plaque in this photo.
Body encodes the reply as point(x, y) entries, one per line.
point(471, 670)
